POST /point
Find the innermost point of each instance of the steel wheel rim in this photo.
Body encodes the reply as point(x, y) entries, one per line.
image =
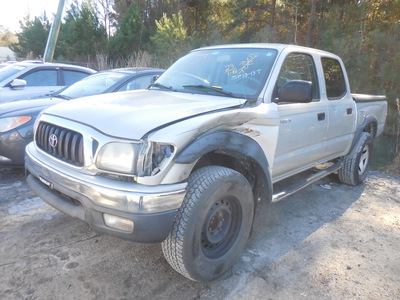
point(221, 227)
point(364, 159)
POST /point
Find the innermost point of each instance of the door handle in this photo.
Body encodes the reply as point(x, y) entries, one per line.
point(349, 111)
point(321, 116)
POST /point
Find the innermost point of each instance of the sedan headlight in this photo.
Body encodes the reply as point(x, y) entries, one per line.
point(118, 157)
point(10, 123)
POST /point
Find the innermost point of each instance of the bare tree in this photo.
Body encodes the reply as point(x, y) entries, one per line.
point(104, 11)
point(311, 22)
point(272, 15)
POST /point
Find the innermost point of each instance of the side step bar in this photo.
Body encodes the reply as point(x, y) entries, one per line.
point(307, 181)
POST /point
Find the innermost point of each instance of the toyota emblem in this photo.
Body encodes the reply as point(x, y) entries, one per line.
point(53, 140)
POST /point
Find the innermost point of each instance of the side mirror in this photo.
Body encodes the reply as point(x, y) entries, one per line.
point(17, 84)
point(296, 91)
point(155, 77)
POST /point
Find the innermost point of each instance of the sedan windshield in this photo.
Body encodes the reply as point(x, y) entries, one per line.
point(92, 85)
point(234, 72)
point(9, 71)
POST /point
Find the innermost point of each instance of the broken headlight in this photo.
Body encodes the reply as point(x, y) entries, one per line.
point(154, 157)
point(142, 159)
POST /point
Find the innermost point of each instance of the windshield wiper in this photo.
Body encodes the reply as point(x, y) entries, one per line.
point(62, 96)
point(161, 86)
point(211, 88)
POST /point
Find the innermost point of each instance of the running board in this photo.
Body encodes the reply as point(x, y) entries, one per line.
point(307, 181)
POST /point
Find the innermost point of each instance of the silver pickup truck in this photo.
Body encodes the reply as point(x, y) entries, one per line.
point(186, 161)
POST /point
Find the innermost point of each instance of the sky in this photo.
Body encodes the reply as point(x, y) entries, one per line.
point(13, 11)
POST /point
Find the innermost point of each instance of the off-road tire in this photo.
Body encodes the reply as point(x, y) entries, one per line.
point(356, 163)
point(213, 224)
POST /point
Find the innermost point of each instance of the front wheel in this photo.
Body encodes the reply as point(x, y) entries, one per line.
point(356, 163)
point(213, 224)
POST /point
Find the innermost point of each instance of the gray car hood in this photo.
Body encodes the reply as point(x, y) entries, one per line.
point(133, 114)
point(18, 108)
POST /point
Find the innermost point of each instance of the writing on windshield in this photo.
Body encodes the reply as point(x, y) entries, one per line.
point(243, 69)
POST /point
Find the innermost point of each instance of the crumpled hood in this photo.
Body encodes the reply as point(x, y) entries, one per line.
point(132, 114)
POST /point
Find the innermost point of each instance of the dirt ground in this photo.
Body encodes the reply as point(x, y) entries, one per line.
point(328, 241)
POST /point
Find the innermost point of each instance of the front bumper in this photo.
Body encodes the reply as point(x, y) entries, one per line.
point(12, 148)
point(88, 198)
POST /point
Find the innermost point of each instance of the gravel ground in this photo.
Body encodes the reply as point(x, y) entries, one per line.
point(328, 241)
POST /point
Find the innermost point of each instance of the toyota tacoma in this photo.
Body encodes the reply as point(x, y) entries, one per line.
point(187, 161)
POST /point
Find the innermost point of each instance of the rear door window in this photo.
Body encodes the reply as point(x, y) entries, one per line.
point(71, 77)
point(334, 78)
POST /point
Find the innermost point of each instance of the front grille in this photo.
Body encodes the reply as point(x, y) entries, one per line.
point(60, 142)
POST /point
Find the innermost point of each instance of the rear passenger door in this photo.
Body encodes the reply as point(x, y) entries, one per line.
point(303, 126)
point(342, 109)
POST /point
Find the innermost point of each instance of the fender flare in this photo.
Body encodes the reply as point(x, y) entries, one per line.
point(231, 143)
point(367, 121)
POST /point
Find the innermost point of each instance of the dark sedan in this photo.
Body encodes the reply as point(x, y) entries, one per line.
point(17, 118)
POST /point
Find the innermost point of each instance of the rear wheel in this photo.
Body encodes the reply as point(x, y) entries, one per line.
point(213, 224)
point(356, 163)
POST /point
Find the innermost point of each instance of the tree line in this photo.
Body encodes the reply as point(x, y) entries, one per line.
point(365, 33)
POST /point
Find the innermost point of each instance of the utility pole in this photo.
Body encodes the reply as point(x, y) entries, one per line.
point(53, 35)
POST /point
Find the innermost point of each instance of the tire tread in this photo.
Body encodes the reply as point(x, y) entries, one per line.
point(348, 174)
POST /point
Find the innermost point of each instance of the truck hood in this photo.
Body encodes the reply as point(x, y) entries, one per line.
point(132, 114)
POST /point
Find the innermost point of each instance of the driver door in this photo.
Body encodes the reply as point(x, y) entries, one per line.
point(303, 126)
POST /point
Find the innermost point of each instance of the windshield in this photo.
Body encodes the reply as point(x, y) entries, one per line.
point(225, 72)
point(92, 85)
point(9, 71)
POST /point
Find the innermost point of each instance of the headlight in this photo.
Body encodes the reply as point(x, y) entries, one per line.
point(7, 124)
point(141, 159)
point(154, 158)
point(118, 157)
